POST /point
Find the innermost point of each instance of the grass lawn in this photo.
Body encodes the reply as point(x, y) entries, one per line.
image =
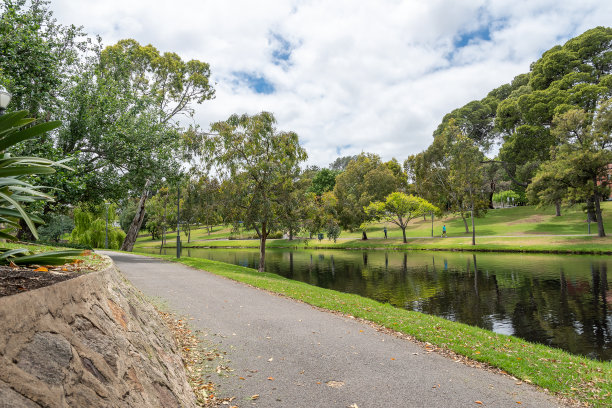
point(528, 229)
point(559, 372)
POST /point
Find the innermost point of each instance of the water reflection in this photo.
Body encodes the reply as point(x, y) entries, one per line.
point(562, 301)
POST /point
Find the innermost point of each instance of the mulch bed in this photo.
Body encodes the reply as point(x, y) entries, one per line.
point(15, 280)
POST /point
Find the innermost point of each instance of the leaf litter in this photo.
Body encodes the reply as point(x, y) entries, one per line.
point(197, 359)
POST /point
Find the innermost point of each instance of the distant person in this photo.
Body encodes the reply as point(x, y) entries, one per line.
point(444, 231)
point(385, 231)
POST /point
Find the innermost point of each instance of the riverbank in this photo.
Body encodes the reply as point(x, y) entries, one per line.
point(561, 373)
point(561, 244)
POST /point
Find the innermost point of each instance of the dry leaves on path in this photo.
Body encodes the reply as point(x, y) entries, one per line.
point(197, 358)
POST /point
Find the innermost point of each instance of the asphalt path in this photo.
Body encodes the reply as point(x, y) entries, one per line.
point(293, 355)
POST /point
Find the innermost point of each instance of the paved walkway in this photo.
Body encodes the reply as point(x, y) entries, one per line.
point(293, 355)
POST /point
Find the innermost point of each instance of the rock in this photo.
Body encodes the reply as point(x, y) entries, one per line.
point(46, 356)
point(12, 399)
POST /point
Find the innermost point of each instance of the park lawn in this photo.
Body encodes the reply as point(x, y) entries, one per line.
point(561, 373)
point(506, 229)
point(524, 220)
point(197, 234)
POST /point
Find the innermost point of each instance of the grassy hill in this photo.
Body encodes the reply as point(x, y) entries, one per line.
point(515, 228)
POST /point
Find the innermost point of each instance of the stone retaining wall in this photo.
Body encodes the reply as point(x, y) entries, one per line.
point(88, 342)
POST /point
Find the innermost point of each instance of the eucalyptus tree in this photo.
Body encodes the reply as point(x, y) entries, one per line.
point(259, 165)
point(122, 120)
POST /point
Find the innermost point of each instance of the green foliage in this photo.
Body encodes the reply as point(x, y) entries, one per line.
point(259, 165)
point(323, 181)
point(16, 190)
point(36, 55)
point(333, 230)
point(365, 179)
point(577, 171)
point(55, 226)
point(506, 197)
point(90, 227)
point(399, 208)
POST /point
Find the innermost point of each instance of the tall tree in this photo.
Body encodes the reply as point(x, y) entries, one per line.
point(124, 108)
point(259, 164)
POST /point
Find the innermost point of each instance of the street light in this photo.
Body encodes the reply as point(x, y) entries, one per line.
point(106, 237)
point(178, 222)
point(5, 99)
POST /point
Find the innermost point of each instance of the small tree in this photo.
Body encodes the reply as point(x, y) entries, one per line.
point(400, 208)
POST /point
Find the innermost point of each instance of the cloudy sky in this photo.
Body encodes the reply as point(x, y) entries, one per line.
point(346, 75)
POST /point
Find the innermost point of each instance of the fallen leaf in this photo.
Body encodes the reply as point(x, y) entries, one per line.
point(392, 358)
point(241, 378)
point(518, 402)
point(271, 378)
point(335, 384)
point(41, 269)
point(271, 358)
point(478, 402)
point(254, 397)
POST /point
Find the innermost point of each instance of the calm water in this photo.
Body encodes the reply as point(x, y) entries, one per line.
point(558, 300)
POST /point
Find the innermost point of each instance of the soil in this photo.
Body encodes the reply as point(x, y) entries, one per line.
point(16, 280)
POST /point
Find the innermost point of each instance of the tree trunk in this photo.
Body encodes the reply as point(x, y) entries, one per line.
point(591, 209)
point(600, 226)
point(467, 229)
point(24, 233)
point(189, 236)
point(557, 208)
point(262, 248)
point(290, 234)
point(404, 233)
point(130, 238)
point(161, 247)
point(364, 236)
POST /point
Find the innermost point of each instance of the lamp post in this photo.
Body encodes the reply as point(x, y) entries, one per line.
point(5, 99)
point(178, 222)
point(106, 236)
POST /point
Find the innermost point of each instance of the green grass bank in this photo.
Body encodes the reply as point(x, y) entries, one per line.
point(561, 373)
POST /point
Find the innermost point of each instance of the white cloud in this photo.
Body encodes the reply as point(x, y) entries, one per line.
point(362, 76)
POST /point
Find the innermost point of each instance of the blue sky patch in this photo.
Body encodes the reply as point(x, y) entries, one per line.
point(340, 148)
point(482, 34)
point(257, 83)
point(281, 49)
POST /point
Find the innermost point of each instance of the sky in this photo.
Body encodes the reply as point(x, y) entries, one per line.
point(347, 76)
